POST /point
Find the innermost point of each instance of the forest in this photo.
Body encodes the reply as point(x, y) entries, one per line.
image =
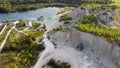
point(55, 1)
point(7, 6)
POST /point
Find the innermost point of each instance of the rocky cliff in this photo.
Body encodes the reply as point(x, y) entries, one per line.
point(110, 18)
point(96, 48)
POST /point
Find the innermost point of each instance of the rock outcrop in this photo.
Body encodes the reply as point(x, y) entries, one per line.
point(110, 18)
point(77, 13)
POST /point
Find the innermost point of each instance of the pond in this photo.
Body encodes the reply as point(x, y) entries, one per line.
point(48, 13)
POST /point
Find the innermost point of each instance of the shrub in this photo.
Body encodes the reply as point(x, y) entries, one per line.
point(57, 29)
point(52, 63)
point(89, 19)
point(65, 18)
point(66, 22)
point(35, 24)
point(21, 24)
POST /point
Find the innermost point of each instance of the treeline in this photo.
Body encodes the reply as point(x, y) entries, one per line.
point(26, 7)
point(55, 1)
point(7, 6)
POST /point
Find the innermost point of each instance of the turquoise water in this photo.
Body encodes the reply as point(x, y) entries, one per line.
point(48, 14)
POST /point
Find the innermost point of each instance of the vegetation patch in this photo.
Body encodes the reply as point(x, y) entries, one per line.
point(35, 25)
point(116, 2)
point(21, 25)
point(53, 64)
point(21, 51)
point(57, 29)
point(94, 6)
point(89, 19)
point(66, 22)
point(110, 34)
point(65, 18)
point(7, 7)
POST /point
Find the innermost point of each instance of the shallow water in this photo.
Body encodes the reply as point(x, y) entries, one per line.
point(48, 14)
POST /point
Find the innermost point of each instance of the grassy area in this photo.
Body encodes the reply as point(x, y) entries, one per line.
point(106, 7)
point(116, 2)
point(35, 25)
point(110, 34)
point(21, 51)
point(90, 5)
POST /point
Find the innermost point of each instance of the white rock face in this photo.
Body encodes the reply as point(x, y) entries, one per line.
point(97, 49)
point(105, 18)
point(77, 13)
